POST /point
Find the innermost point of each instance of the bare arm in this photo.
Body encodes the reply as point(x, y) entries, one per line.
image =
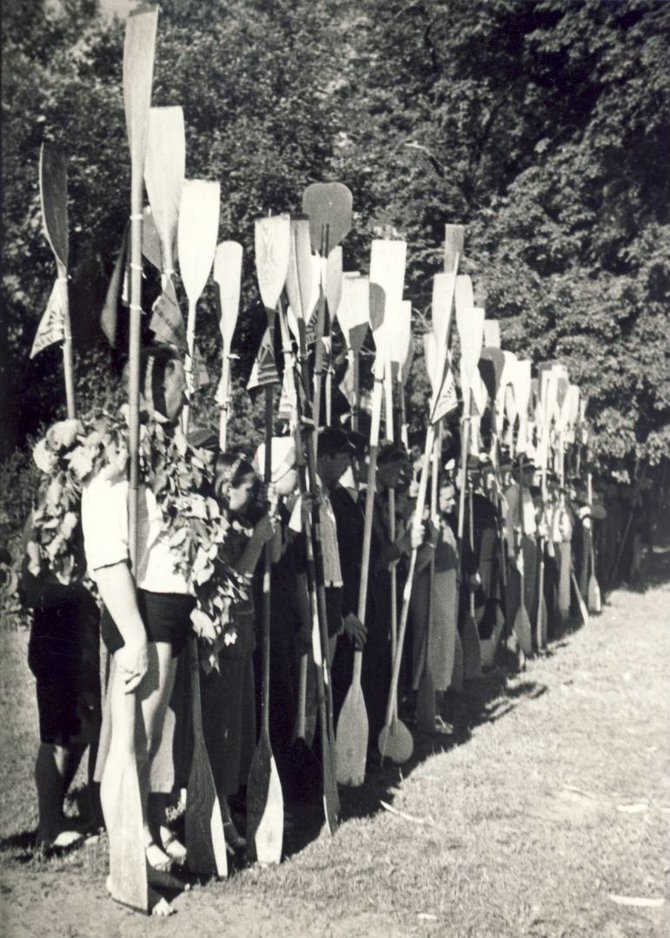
point(117, 590)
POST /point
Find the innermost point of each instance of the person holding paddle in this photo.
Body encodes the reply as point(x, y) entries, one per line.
point(144, 629)
point(227, 693)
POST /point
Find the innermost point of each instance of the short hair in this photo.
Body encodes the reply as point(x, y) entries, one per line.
point(331, 441)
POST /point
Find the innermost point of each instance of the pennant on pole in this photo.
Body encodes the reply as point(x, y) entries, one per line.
point(167, 322)
point(447, 399)
point(52, 325)
point(110, 309)
point(264, 371)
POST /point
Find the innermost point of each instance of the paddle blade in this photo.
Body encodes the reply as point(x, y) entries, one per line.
point(164, 170)
point(138, 66)
point(491, 365)
point(453, 246)
point(492, 333)
point(402, 338)
point(387, 272)
point(353, 313)
point(395, 742)
point(351, 739)
point(471, 332)
point(228, 280)
point(198, 230)
point(300, 273)
point(265, 807)
point(53, 198)
point(327, 204)
point(478, 393)
point(272, 240)
point(334, 280)
point(472, 654)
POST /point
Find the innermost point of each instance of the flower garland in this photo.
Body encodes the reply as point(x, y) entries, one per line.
point(180, 476)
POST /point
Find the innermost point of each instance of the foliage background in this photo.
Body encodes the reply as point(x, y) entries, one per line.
point(542, 125)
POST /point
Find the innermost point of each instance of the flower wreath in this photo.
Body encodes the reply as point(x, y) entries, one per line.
point(180, 476)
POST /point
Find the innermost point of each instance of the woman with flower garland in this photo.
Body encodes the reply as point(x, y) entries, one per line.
point(146, 619)
point(228, 692)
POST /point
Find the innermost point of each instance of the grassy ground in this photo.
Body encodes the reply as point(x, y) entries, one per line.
point(545, 814)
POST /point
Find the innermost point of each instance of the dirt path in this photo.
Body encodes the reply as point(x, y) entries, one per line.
point(547, 809)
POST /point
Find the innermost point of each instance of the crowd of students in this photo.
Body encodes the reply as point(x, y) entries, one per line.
point(476, 583)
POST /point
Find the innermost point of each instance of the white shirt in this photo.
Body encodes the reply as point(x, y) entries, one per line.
point(104, 515)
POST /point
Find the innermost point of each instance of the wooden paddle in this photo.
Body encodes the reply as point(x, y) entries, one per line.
point(124, 809)
point(302, 274)
point(53, 198)
point(522, 627)
point(228, 280)
point(197, 231)
point(394, 738)
point(594, 600)
point(203, 821)
point(265, 805)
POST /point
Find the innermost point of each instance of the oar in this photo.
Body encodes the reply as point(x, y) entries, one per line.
point(394, 738)
point(329, 208)
point(425, 698)
point(265, 805)
point(353, 315)
point(53, 197)
point(228, 280)
point(594, 599)
point(333, 289)
point(352, 725)
point(302, 274)
point(203, 821)
point(123, 807)
point(470, 325)
point(197, 233)
point(522, 627)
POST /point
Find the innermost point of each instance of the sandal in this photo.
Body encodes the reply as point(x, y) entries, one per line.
point(173, 847)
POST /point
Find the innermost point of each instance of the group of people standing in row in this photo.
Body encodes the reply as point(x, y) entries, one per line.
point(146, 622)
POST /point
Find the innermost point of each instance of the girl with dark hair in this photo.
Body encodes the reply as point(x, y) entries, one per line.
point(227, 692)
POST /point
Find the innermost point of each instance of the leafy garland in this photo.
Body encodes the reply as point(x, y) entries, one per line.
point(180, 476)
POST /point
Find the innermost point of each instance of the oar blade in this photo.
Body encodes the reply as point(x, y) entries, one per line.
point(300, 272)
point(353, 313)
point(164, 171)
point(395, 742)
point(351, 738)
point(444, 286)
point(492, 333)
point(387, 273)
point(53, 196)
point(471, 333)
point(595, 605)
point(269, 835)
point(331, 204)
point(138, 65)
point(228, 279)
point(272, 241)
point(453, 246)
point(197, 233)
point(523, 631)
point(472, 653)
point(334, 280)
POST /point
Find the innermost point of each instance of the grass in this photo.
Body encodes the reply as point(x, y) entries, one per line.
point(552, 795)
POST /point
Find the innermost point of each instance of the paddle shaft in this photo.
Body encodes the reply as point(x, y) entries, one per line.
point(225, 398)
point(319, 351)
point(68, 364)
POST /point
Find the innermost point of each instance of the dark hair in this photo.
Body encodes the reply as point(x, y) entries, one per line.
point(332, 441)
point(154, 361)
point(232, 469)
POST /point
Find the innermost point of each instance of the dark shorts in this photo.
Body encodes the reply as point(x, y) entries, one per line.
point(166, 617)
point(63, 654)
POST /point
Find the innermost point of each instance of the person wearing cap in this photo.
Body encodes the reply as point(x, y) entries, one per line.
point(145, 621)
point(227, 693)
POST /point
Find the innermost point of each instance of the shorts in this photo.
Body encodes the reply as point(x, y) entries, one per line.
point(63, 655)
point(166, 617)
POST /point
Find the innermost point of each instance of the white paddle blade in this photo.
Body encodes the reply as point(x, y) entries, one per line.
point(492, 333)
point(453, 247)
point(387, 270)
point(400, 347)
point(138, 65)
point(270, 831)
point(464, 298)
point(197, 231)
point(334, 280)
point(444, 286)
point(299, 277)
point(471, 332)
point(478, 392)
point(228, 279)
point(313, 300)
point(354, 308)
point(164, 170)
point(273, 248)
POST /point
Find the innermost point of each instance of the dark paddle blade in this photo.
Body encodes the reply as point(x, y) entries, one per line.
point(328, 203)
point(53, 196)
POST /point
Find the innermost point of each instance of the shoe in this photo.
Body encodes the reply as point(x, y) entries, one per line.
point(234, 840)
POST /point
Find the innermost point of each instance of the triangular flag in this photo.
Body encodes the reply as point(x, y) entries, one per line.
point(347, 386)
point(167, 322)
point(109, 314)
point(52, 325)
point(264, 371)
point(447, 399)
